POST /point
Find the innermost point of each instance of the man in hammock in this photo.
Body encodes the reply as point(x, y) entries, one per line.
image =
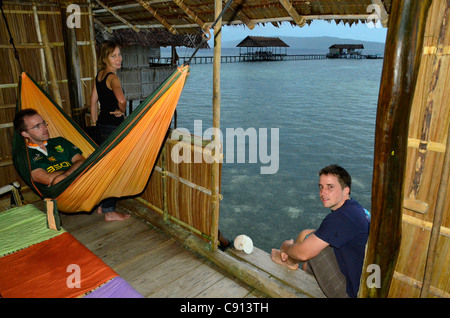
point(51, 159)
point(334, 253)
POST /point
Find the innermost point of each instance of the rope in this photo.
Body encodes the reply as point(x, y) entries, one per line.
point(206, 38)
point(11, 39)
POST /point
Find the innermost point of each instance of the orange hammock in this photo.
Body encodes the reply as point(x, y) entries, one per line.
point(121, 165)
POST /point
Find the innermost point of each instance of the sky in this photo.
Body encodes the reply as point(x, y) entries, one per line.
point(360, 31)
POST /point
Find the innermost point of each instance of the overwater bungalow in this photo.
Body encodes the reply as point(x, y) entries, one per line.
point(338, 51)
point(169, 247)
point(262, 48)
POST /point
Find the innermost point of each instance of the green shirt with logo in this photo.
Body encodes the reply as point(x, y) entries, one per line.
point(59, 156)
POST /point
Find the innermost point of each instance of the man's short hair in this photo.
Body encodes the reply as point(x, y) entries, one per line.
point(19, 122)
point(344, 178)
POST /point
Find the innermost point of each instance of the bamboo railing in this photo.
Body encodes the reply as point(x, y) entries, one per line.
point(182, 191)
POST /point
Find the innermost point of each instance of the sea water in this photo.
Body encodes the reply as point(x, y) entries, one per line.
point(324, 111)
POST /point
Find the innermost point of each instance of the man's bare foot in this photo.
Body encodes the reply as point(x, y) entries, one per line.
point(99, 210)
point(116, 216)
point(276, 257)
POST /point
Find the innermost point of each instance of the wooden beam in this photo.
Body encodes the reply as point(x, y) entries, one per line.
point(236, 8)
point(108, 29)
point(403, 53)
point(153, 12)
point(111, 11)
point(191, 14)
point(298, 19)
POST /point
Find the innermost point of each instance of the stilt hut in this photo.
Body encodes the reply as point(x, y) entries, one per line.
point(261, 48)
point(345, 51)
point(409, 234)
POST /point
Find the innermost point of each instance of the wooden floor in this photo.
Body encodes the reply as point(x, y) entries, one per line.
point(160, 259)
point(153, 263)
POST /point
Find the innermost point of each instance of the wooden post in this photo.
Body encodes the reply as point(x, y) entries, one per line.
point(215, 203)
point(72, 66)
point(50, 65)
point(403, 54)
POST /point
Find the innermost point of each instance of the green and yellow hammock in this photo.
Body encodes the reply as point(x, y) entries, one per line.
point(118, 167)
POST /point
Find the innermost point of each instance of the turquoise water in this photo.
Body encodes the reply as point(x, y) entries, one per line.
point(324, 111)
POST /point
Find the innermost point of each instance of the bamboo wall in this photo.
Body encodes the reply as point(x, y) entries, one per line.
point(428, 133)
point(29, 40)
point(181, 192)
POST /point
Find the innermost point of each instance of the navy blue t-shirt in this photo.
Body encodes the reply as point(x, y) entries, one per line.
point(346, 229)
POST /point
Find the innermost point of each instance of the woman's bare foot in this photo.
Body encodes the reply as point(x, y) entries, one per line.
point(116, 216)
point(276, 257)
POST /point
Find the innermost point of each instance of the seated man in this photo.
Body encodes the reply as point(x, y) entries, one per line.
point(334, 253)
point(51, 159)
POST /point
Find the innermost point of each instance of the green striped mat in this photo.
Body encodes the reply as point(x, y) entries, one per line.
point(22, 227)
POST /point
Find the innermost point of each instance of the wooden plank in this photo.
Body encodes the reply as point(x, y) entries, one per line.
point(191, 284)
point(249, 273)
point(297, 279)
point(156, 277)
point(225, 288)
point(140, 253)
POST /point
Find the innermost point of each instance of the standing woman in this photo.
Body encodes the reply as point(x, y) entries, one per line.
point(108, 91)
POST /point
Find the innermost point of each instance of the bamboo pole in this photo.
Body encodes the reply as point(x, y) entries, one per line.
point(191, 14)
point(403, 54)
point(41, 50)
point(153, 12)
point(50, 64)
point(236, 8)
point(441, 197)
point(92, 39)
point(164, 182)
point(437, 221)
point(298, 19)
point(215, 184)
point(72, 65)
point(118, 16)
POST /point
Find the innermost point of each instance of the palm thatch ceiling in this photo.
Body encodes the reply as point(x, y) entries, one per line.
point(193, 16)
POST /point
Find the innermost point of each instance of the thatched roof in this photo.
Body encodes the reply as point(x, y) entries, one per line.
point(262, 41)
point(190, 16)
point(150, 38)
point(347, 46)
